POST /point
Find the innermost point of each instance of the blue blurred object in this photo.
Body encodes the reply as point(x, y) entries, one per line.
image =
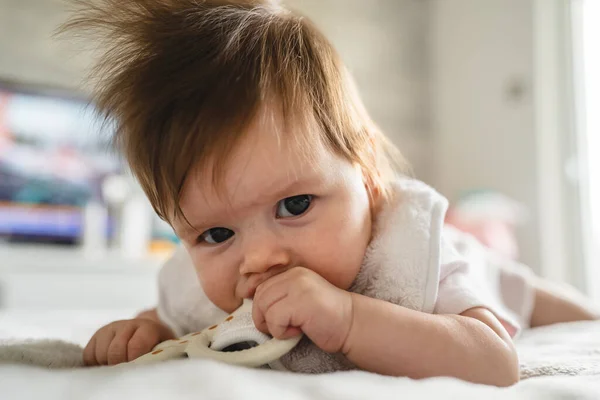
point(54, 155)
point(41, 222)
point(15, 187)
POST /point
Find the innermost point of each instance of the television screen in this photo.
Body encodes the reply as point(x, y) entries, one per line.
point(54, 154)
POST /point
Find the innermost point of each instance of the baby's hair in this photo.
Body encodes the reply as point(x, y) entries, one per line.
point(183, 79)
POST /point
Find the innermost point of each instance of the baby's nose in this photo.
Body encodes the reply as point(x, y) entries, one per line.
point(253, 264)
point(260, 257)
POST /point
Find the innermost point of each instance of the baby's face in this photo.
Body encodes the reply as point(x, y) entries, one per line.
point(277, 209)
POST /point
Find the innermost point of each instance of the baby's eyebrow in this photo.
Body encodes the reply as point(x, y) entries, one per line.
point(292, 187)
point(185, 229)
point(281, 190)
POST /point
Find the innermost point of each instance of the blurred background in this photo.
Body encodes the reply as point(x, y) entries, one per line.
point(492, 101)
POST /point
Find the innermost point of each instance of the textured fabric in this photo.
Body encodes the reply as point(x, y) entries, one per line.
point(564, 351)
point(473, 276)
point(43, 353)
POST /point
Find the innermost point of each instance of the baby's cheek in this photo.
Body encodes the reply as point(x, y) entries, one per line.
point(219, 289)
point(353, 239)
point(338, 255)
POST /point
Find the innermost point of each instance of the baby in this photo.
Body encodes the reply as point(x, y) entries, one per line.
point(247, 134)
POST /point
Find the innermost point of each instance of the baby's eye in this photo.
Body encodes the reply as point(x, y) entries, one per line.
point(216, 235)
point(293, 206)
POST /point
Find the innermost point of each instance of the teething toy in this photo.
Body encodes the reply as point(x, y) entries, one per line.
point(216, 343)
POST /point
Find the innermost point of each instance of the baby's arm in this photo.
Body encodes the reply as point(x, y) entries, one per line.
point(123, 341)
point(151, 314)
point(126, 340)
point(393, 340)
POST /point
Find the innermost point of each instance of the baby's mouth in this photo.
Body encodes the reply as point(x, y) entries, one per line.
point(252, 288)
point(250, 293)
point(256, 280)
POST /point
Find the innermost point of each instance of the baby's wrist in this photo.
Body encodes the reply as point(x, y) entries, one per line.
point(352, 333)
point(150, 314)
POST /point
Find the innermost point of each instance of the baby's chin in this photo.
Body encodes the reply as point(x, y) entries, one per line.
point(230, 306)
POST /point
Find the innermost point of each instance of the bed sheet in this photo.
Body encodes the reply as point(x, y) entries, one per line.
point(561, 361)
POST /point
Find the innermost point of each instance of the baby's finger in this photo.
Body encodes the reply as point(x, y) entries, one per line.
point(262, 326)
point(117, 350)
point(291, 332)
point(103, 341)
point(258, 318)
point(261, 305)
point(143, 340)
point(278, 318)
point(272, 284)
point(89, 353)
point(264, 299)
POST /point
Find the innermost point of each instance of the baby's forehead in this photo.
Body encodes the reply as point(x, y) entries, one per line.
point(267, 151)
point(259, 169)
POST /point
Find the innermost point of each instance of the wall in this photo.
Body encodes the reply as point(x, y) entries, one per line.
point(482, 103)
point(27, 50)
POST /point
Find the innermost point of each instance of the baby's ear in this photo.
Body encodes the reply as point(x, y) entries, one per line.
point(373, 185)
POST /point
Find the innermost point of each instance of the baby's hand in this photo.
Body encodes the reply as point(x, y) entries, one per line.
point(300, 300)
point(123, 341)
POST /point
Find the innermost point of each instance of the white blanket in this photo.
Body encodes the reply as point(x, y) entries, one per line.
point(562, 349)
point(193, 379)
point(567, 350)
